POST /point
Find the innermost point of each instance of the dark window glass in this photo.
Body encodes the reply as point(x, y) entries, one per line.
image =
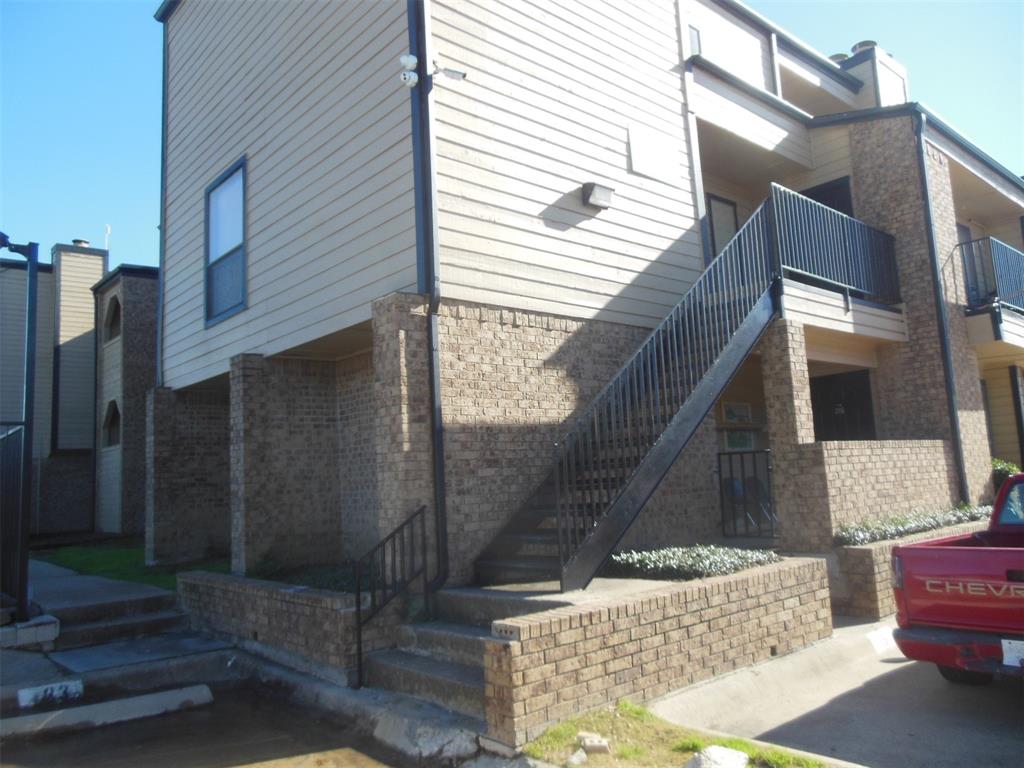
point(112, 425)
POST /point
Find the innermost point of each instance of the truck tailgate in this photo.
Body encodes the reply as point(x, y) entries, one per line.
point(970, 587)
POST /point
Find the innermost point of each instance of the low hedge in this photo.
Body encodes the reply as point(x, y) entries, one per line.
point(897, 527)
point(685, 563)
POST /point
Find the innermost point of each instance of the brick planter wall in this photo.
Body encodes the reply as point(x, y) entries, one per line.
point(307, 625)
point(545, 667)
point(862, 586)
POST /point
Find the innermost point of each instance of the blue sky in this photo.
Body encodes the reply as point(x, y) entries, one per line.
point(80, 100)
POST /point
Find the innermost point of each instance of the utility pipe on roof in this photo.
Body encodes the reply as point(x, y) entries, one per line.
point(942, 317)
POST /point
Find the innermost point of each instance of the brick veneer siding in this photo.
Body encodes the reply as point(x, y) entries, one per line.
point(542, 668)
point(862, 586)
point(138, 376)
point(66, 484)
point(284, 462)
point(357, 446)
point(799, 480)
point(308, 626)
point(188, 509)
point(512, 382)
point(887, 192)
point(819, 486)
point(872, 479)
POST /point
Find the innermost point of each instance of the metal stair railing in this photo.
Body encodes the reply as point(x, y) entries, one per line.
point(681, 362)
point(387, 571)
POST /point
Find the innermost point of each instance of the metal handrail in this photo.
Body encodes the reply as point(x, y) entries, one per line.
point(600, 458)
point(391, 568)
point(994, 272)
point(612, 437)
point(821, 243)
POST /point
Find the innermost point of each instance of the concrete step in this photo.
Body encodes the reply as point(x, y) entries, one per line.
point(103, 604)
point(460, 643)
point(456, 686)
point(122, 627)
point(479, 607)
point(517, 570)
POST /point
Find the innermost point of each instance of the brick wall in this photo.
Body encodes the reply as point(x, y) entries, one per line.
point(138, 375)
point(188, 508)
point(799, 480)
point(284, 462)
point(872, 479)
point(357, 446)
point(512, 382)
point(887, 191)
point(545, 667)
point(65, 482)
point(307, 626)
point(862, 587)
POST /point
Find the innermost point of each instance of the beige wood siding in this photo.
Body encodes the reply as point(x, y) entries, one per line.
point(12, 352)
point(830, 157)
point(746, 199)
point(1005, 444)
point(739, 113)
point(108, 489)
point(827, 309)
point(730, 43)
point(310, 94)
point(814, 78)
point(892, 81)
point(554, 94)
point(75, 275)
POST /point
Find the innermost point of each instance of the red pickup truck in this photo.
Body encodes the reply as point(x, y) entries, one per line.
point(960, 600)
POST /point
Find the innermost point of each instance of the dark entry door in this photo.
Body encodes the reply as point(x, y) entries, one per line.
point(835, 194)
point(842, 407)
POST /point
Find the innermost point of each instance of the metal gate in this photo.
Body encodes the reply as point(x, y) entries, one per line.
point(745, 492)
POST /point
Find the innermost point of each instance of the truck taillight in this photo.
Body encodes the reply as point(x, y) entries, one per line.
point(897, 572)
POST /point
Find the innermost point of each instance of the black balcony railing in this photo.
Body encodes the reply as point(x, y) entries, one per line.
point(994, 272)
point(821, 245)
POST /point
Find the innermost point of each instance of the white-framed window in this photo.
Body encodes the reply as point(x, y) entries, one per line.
point(226, 292)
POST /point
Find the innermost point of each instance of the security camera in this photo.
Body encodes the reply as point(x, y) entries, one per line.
point(408, 62)
point(409, 79)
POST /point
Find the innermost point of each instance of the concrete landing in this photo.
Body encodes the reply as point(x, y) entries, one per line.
point(61, 594)
point(140, 650)
point(27, 668)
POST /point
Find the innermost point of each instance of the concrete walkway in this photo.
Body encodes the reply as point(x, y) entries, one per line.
point(856, 698)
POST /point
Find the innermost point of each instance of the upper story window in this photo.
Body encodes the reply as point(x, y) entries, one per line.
point(112, 320)
point(111, 433)
point(225, 244)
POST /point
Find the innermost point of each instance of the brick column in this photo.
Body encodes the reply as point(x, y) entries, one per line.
point(284, 463)
point(799, 482)
point(187, 495)
point(404, 465)
point(911, 386)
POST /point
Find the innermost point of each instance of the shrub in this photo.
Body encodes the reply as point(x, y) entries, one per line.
point(683, 563)
point(898, 527)
point(1001, 470)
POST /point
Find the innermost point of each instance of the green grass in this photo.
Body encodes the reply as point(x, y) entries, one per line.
point(125, 562)
point(335, 578)
point(639, 739)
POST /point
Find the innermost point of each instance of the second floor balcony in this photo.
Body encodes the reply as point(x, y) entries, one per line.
point(994, 273)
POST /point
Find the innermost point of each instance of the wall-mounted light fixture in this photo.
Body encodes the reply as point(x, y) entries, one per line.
point(597, 195)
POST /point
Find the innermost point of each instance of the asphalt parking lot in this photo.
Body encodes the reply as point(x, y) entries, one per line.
point(854, 697)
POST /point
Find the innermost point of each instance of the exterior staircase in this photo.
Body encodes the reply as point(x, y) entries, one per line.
point(622, 446)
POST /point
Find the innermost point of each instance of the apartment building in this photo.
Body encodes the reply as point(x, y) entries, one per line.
point(576, 277)
point(64, 382)
point(126, 311)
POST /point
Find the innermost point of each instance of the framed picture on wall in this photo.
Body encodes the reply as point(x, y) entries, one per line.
point(736, 413)
point(739, 440)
